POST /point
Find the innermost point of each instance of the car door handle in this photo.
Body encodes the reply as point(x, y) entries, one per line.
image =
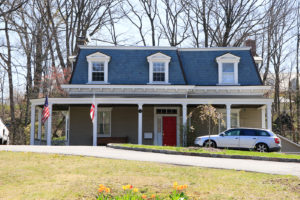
point(236, 138)
point(254, 138)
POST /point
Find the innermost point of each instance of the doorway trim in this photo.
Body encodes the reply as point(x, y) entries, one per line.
point(157, 116)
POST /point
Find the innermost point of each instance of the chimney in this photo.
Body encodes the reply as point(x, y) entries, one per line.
point(252, 44)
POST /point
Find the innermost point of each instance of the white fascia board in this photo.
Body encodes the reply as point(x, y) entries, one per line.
point(188, 87)
point(165, 101)
point(165, 48)
point(85, 86)
point(215, 49)
point(128, 47)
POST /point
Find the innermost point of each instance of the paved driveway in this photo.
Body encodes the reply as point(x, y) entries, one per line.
point(221, 163)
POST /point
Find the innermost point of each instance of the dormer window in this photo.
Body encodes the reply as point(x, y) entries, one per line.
point(159, 68)
point(159, 72)
point(98, 71)
point(228, 69)
point(98, 68)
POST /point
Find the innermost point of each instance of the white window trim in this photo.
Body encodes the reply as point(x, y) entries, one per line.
point(228, 58)
point(98, 57)
point(159, 57)
point(106, 109)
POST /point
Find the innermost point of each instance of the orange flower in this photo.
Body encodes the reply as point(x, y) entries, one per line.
point(107, 190)
point(102, 188)
point(153, 196)
point(144, 196)
point(185, 186)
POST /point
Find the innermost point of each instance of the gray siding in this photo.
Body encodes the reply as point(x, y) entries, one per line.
point(81, 127)
point(250, 117)
point(124, 123)
point(148, 123)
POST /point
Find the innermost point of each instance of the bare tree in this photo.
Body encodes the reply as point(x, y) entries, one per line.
point(297, 75)
point(75, 18)
point(172, 22)
point(199, 16)
point(7, 59)
point(234, 21)
point(10, 6)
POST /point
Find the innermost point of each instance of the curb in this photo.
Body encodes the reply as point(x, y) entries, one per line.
point(114, 146)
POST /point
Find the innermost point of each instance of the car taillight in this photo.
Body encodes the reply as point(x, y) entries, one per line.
point(277, 141)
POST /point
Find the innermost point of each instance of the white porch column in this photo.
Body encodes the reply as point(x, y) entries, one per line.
point(95, 125)
point(39, 123)
point(228, 116)
point(263, 116)
point(184, 121)
point(140, 124)
point(67, 116)
point(32, 124)
point(49, 125)
point(269, 116)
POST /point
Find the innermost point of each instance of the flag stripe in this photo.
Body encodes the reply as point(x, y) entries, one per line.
point(45, 113)
point(92, 112)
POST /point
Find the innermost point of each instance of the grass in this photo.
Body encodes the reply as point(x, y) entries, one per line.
point(215, 151)
point(51, 176)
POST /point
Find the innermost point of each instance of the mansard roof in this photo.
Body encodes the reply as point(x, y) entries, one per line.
point(188, 66)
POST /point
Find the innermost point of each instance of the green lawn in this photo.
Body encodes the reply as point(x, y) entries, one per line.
point(50, 176)
point(215, 151)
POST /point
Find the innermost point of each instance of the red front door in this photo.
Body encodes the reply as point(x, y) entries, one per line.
point(169, 131)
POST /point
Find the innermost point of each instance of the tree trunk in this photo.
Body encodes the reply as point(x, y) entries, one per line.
point(11, 87)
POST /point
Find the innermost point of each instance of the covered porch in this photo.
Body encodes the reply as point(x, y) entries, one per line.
point(141, 120)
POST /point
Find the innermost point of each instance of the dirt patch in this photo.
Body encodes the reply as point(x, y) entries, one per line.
point(291, 184)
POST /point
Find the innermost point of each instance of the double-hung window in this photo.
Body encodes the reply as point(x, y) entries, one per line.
point(234, 118)
point(104, 122)
point(228, 69)
point(159, 72)
point(159, 68)
point(228, 73)
point(98, 68)
point(98, 71)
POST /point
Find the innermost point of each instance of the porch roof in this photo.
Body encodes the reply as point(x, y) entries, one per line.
point(153, 100)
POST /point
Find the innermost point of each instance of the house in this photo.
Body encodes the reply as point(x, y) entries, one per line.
point(4, 133)
point(143, 94)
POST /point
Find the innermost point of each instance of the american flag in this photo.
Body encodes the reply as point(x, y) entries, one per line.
point(92, 112)
point(45, 112)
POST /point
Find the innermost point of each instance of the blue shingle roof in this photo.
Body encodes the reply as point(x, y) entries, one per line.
point(130, 66)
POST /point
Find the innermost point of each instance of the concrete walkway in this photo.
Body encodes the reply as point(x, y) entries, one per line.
point(221, 163)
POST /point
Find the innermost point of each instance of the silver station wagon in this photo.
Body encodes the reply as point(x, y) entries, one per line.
point(242, 138)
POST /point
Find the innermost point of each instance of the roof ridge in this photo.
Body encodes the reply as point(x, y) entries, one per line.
point(164, 48)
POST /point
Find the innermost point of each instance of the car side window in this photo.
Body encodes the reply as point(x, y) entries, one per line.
point(262, 133)
point(235, 132)
point(248, 132)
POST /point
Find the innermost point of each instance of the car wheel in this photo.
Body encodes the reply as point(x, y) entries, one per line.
point(210, 143)
point(261, 147)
